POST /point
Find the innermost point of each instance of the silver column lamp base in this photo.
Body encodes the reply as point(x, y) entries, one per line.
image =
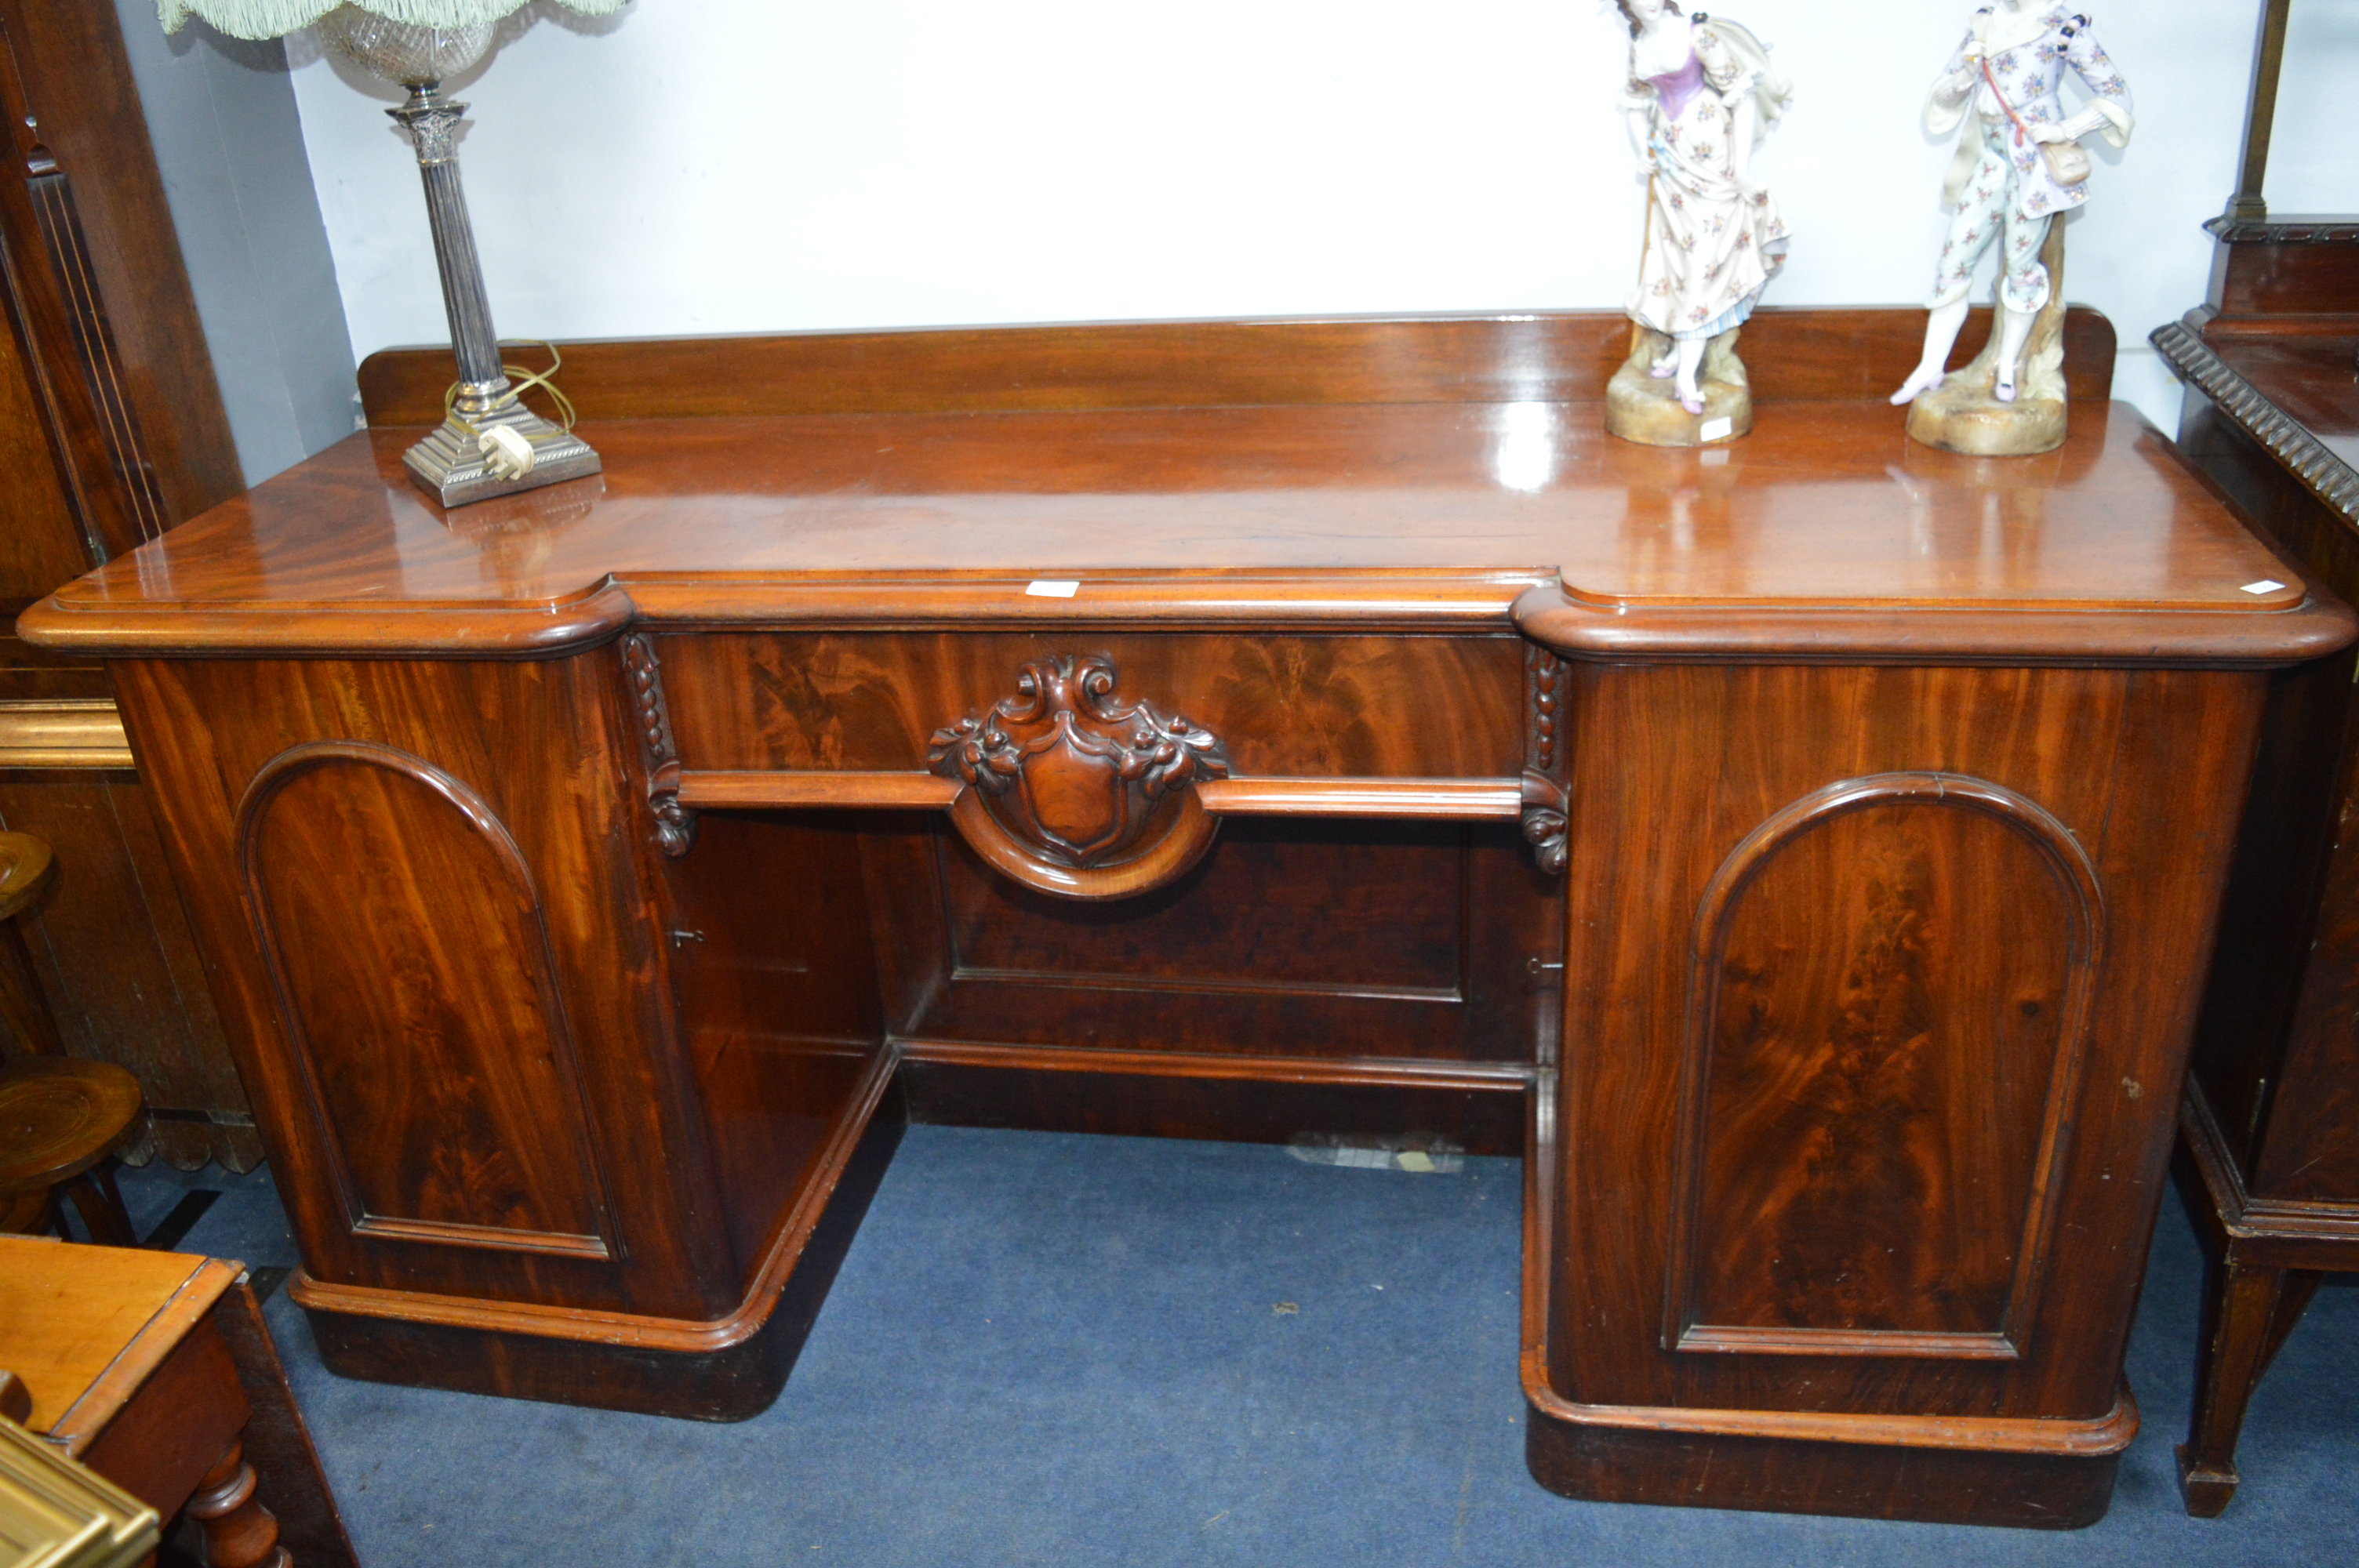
point(490, 443)
point(455, 465)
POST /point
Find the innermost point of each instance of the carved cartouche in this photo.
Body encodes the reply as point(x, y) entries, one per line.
point(1072, 777)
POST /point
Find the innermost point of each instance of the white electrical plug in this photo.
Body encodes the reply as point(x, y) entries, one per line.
point(508, 454)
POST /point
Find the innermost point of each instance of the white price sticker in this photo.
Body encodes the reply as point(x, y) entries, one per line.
point(1047, 588)
point(2266, 585)
point(1715, 429)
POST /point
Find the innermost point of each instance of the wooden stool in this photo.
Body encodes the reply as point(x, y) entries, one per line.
point(59, 1116)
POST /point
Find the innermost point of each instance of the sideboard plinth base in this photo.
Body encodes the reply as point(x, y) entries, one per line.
point(1615, 1464)
point(732, 1382)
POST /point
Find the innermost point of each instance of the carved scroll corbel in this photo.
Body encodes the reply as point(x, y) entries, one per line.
point(1546, 820)
point(675, 829)
point(1547, 803)
point(1072, 792)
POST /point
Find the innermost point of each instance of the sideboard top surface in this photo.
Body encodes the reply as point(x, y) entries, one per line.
point(1425, 516)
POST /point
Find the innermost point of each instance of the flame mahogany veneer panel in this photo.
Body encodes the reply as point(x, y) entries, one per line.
point(1281, 705)
point(540, 748)
point(1883, 1013)
point(408, 956)
point(1884, 987)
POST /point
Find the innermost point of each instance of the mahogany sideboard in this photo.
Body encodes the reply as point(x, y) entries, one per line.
point(1805, 851)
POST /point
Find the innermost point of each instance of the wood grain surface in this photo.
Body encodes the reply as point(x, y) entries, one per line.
point(2270, 1123)
point(65, 1328)
point(1546, 356)
point(1673, 768)
point(1885, 1025)
point(1420, 942)
point(543, 748)
point(1282, 706)
point(1227, 516)
point(1849, 1123)
point(444, 1015)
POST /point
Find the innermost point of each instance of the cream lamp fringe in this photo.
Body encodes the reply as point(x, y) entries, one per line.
point(275, 19)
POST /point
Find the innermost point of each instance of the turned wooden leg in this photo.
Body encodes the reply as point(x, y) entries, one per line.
point(100, 1203)
point(239, 1532)
point(23, 1007)
point(2245, 1321)
point(2293, 1297)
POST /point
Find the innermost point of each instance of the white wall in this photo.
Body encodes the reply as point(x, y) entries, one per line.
point(221, 116)
point(2314, 161)
point(714, 166)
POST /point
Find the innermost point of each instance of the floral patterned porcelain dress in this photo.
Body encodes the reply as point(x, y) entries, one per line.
point(1710, 249)
point(1998, 181)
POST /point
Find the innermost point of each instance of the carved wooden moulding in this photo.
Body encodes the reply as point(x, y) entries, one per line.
point(1074, 791)
point(675, 824)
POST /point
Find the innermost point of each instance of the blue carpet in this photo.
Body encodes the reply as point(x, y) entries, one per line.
point(1057, 1349)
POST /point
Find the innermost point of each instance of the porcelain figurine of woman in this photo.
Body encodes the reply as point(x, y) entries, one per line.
point(2018, 168)
point(1702, 96)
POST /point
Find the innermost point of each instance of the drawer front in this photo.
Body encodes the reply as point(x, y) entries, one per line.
point(1282, 706)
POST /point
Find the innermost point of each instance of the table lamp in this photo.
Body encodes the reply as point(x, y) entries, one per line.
point(489, 443)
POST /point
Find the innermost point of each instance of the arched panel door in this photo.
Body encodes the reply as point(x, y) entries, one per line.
point(412, 978)
point(1888, 1007)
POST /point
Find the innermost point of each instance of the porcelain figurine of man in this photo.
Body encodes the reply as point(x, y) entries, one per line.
point(2010, 191)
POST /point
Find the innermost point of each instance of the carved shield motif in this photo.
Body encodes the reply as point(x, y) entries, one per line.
point(1074, 778)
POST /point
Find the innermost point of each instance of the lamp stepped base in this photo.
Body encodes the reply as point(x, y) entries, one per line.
point(452, 465)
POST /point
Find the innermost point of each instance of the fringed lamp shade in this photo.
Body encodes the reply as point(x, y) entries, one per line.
point(490, 443)
point(274, 18)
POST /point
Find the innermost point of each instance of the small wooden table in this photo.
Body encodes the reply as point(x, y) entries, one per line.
point(154, 1369)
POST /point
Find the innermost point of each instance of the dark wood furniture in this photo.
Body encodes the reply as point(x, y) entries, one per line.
point(111, 430)
point(60, 1119)
point(1799, 849)
point(153, 1369)
point(2271, 1121)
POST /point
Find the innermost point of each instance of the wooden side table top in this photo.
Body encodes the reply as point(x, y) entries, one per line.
point(154, 1369)
point(83, 1328)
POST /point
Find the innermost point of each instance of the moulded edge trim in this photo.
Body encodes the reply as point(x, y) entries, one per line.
point(1919, 634)
point(2311, 461)
point(2243, 1216)
point(1405, 601)
point(1512, 1078)
point(2088, 1437)
point(107, 629)
point(1415, 799)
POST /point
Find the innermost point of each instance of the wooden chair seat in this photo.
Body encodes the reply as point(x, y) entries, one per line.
point(26, 868)
point(59, 1118)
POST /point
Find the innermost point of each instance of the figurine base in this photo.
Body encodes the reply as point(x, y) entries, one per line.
point(450, 465)
point(1960, 415)
point(1643, 407)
